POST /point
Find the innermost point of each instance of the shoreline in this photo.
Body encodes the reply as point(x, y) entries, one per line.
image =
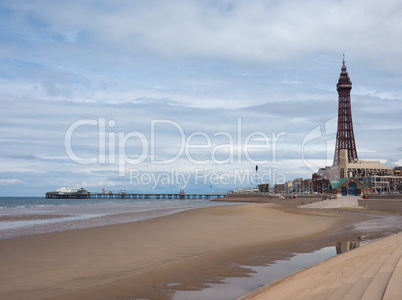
point(38, 218)
point(154, 258)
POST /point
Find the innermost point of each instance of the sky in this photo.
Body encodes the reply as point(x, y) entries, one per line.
point(160, 96)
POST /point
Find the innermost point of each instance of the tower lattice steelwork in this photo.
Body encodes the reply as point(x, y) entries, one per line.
point(345, 138)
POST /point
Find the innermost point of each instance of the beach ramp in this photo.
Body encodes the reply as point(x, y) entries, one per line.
point(342, 202)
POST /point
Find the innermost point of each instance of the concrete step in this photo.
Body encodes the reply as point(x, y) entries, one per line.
point(320, 277)
point(377, 264)
point(317, 286)
point(352, 285)
point(380, 281)
point(394, 287)
point(337, 278)
point(323, 284)
point(311, 276)
point(348, 280)
point(364, 281)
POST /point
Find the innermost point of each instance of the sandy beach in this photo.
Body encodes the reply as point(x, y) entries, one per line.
point(151, 259)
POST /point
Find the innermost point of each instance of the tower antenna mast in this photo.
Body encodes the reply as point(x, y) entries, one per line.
point(345, 138)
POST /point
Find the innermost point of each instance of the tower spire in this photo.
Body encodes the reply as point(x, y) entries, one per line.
point(345, 138)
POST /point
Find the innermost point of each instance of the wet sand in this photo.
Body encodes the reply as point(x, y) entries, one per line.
point(31, 217)
point(152, 259)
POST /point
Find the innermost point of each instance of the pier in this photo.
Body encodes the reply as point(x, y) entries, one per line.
point(54, 195)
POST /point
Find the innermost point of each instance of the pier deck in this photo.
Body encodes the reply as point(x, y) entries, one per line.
point(134, 196)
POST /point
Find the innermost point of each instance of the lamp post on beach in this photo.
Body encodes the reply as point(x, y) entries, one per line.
point(256, 173)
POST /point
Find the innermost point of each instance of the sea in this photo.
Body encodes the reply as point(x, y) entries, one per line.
point(22, 216)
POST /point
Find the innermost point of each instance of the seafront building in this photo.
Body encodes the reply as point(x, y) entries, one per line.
point(349, 186)
point(298, 186)
point(279, 188)
point(289, 187)
point(372, 176)
point(357, 168)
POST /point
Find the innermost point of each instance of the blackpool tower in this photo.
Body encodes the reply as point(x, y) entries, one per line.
point(345, 138)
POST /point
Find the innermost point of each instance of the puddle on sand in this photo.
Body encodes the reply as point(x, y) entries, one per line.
point(235, 287)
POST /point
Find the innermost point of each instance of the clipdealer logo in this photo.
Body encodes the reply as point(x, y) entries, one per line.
point(112, 145)
point(202, 176)
point(323, 138)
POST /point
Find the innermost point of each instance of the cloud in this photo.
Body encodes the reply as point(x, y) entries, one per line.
point(23, 156)
point(203, 65)
point(8, 182)
point(262, 32)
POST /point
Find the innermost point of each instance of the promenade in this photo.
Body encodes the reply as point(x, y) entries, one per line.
point(370, 272)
